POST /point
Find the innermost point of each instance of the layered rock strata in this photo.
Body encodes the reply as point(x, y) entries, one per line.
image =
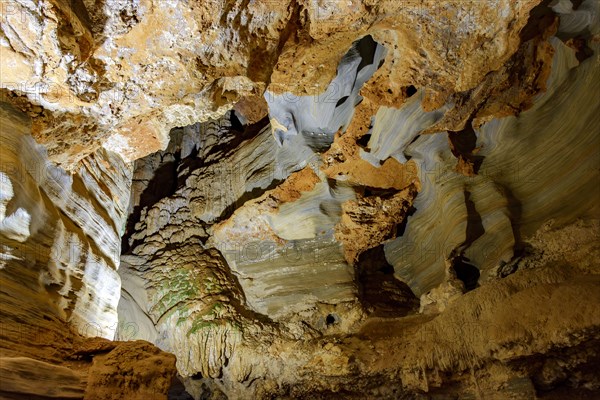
point(60, 249)
point(358, 199)
point(128, 72)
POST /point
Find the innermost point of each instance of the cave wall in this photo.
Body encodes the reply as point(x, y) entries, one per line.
point(328, 199)
point(121, 75)
point(60, 248)
point(63, 229)
point(519, 185)
point(293, 285)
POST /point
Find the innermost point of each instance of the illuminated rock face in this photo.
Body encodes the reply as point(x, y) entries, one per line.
point(308, 256)
point(519, 185)
point(64, 229)
point(60, 249)
point(300, 199)
point(122, 74)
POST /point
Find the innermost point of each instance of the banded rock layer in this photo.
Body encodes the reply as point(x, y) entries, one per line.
point(128, 72)
point(300, 199)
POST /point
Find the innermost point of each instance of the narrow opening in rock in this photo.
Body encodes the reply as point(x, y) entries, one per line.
point(366, 48)
point(411, 91)
point(341, 101)
point(468, 273)
point(364, 141)
point(330, 320)
point(197, 376)
point(236, 124)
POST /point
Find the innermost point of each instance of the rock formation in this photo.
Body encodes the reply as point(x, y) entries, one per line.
point(300, 199)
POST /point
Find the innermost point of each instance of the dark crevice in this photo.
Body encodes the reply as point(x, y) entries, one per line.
point(411, 91)
point(540, 18)
point(366, 47)
point(197, 376)
point(330, 320)
point(406, 155)
point(515, 209)
point(475, 227)
point(463, 145)
point(520, 247)
point(319, 142)
point(466, 272)
point(463, 142)
point(401, 227)
point(583, 51)
point(177, 389)
point(367, 191)
point(380, 292)
point(163, 184)
point(236, 124)
point(342, 101)
point(363, 141)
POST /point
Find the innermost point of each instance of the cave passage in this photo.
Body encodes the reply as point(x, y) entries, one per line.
point(467, 273)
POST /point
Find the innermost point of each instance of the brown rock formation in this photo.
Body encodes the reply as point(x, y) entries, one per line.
point(510, 89)
point(307, 199)
point(94, 369)
point(371, 220)
point(112, 79)
point(132, 370)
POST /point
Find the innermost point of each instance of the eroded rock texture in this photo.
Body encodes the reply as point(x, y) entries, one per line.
point(58, 281)
point(62, 229)
point(90, 369)
point(300, 199)
point(127, 72)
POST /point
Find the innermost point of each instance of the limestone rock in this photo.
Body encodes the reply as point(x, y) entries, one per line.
point(474, 204)
point(23, 376)
point(299, 199)
point(371, 220)
point(90, 65)
point(192, 301)
point(94, 369)
point(63, 228)
point(133, 370)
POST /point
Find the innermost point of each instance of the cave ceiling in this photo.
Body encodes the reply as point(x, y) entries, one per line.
point(312, 199)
